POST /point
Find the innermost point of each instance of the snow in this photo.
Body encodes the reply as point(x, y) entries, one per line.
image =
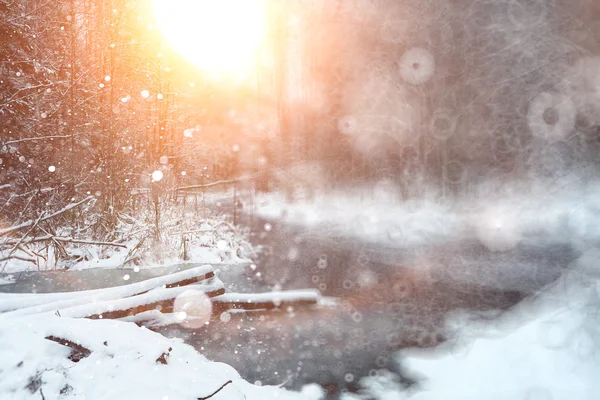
point(404, 224)
point(506, 220)
point(208, 241)
point(122, 365)
point(556, 355)
point(26, 224)
point(498, 216)
point(274, 297)
point(53, 301)
point(546, 347)
point(6, 280)
point(91, 307)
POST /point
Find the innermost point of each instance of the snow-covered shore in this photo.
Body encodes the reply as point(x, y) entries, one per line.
point(125, 362)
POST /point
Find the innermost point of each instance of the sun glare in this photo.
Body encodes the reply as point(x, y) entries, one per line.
point(221, 37)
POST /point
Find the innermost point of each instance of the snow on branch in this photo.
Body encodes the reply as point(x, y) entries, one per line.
point(266, 301)
point(78, 351)
point(162, 299)
point(27, 304)
point(31, 222)
point(63, 239)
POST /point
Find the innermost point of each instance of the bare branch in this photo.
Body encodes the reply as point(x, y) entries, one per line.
point(41, 138)
point(215, 392)
point(78, 351)
point(29, 223)
point(223, 182)
point(18, 258)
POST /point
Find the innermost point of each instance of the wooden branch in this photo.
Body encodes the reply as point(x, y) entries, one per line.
point(29, 223)
point(78, 351)
point(18, 243)
point(18, 258)
point(27, 304)
point(62, 239)
point(215, 392)
point(265, 301)
point(92, 242)
point(223, 182)
point(166, 305)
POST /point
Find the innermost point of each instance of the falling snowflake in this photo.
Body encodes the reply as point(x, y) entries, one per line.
point(145, 93)
point(157, 176)
point(417, 66)
point(551, 116)
point(52, 168)
point(193, 306)
point(225, 317)
point(348, 125)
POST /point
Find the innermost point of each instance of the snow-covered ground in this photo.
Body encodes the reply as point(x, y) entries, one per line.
point(499, 216)
point(126, 362)
point(211, 241)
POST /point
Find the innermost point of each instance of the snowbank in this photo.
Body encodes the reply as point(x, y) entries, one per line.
point(498, 217)
point(123, 364)
point(189, 239)
point(555, 356)
point(547, 347)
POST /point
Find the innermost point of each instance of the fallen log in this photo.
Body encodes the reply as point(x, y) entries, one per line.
point(161, 299)
point(27, 304)
point(265, 301)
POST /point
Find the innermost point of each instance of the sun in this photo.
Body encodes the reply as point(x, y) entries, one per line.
point(220, 37)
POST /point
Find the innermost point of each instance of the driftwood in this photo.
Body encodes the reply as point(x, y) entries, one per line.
point(265, 301)
point(154, 299)
point(165, 305)
point(78, 351)
point(24, 304)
